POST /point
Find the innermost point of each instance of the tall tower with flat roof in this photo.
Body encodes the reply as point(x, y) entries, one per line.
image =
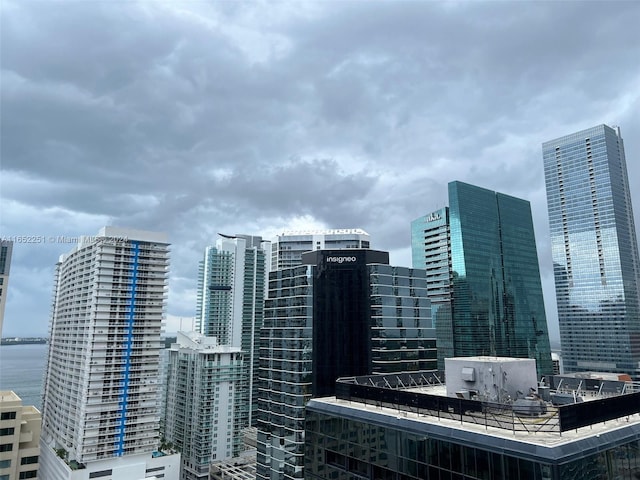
point(483, 276)
point(595, 251)
point(100, 404)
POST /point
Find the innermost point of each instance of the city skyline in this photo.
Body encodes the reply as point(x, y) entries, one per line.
point(295, 120)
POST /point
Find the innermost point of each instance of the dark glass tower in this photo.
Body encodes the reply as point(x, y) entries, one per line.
point(344, 313)
point(489, 250)
point(595, 251)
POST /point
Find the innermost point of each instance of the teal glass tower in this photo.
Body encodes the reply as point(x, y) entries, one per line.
point(492, 302)
point(595, 251)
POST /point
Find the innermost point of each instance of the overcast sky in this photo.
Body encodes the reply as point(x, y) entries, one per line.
point(194, 118)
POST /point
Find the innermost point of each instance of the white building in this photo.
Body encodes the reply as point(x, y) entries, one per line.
point(202, 413)
point(231, 293)
point(19, 438)
point(288, 247)
point(100, 403)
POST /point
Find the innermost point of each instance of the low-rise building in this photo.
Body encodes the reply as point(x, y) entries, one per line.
point(19, 438)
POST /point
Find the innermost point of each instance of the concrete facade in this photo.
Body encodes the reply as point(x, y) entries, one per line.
point(19, 438)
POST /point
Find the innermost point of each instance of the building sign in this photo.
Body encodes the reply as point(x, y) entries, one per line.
point(341, 259)
point(433, 217)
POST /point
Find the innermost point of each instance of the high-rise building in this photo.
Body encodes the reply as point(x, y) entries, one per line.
point(287, 248)
point(19, 438)
point(431, 251)
point(100, 402)
point(231, 292)
point(204, 380)
point(6, 248)
point(341, 313)
point(595, 251)
point(491, 302)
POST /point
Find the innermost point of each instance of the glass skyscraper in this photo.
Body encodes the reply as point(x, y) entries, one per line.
point(595, 251)
point(486, 243)
point(342, 313)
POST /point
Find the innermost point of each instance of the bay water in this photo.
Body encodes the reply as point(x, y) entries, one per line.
point(22, 370)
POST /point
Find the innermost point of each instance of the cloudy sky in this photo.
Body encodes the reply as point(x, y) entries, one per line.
point(194, 118)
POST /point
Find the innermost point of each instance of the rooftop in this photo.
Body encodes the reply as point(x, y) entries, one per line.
point(331, 231)
point(421, 396)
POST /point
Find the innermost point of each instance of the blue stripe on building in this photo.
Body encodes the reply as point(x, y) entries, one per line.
point(127, 353)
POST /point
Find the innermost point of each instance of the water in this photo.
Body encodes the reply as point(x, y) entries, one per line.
point(22, 369)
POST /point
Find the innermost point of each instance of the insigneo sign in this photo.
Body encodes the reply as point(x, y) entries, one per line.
point(433, 217)
point(341, 259)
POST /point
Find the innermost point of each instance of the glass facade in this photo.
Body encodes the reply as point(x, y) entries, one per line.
point(285, 373)
point(6, 247)
point(358, 315)
point(215, 295)
point(595, 251)
point(491, 301)
point(403, 337)
point(348, 445)
point(498, 307)
point(431, 250)
point(230, 303)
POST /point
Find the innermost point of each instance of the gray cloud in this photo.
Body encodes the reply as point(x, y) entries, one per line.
point(196, 118)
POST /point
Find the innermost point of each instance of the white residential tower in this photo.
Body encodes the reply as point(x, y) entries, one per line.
point(100, 403)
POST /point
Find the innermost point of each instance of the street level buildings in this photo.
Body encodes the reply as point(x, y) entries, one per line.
point(288, 247)
point(595, 251)
point(483, 276)
point(100, 403)
point(202, 417)
point(231, 292)
point(19, 438)
point(342, 312)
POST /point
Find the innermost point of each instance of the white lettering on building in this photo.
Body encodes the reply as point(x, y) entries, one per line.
point(340, 259)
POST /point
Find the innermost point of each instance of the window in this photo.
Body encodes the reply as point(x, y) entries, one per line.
point(5, 463)
point(101, 473)
point(29, 474)
point(6, 447)
point(29, 460)
point(7, 416)
point(6, 431)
